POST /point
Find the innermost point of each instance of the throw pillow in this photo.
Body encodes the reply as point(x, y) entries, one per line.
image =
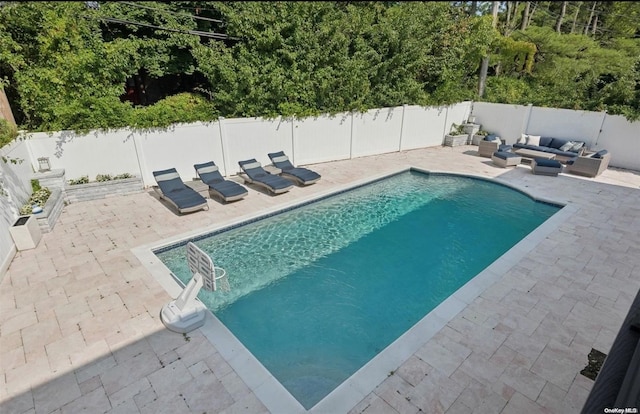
point(533, 140)
point(567, 146)
point(600, 154)
point(523, 139)
point(577, 146)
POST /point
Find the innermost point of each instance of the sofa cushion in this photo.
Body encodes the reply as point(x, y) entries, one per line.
point(567, 154)
point(548, 163)
point(557, 143)
point(533, 147)
point(505, 147)
point(504, 155)
point(493, 138)
point(545, 141)
point(567, 146)
point(533, 140)
point(600, 154)
point(577, 145)
point(522, 139)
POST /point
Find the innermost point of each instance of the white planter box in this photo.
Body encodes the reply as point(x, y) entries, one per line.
point(97, 190)
point(476, 139)
point(51, 211)
point(455, 140)
point(26, 232)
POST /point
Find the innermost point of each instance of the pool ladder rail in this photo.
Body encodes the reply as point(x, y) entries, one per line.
point(186, 312)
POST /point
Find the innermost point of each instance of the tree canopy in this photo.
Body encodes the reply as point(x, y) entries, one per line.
point(86, 65)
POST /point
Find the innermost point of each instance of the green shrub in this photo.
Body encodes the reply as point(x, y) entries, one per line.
point(122, 176)
point(39, 198)
point(82, 180)
point(8, 132)
point(35, 185)
point(180, 108)
point(456, 129)
point(103, 177)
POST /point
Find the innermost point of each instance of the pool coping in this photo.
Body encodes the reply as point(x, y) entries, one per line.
point(361, 383)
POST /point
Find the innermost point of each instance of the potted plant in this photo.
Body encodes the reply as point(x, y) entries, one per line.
point(25, 231)
point(456, 136)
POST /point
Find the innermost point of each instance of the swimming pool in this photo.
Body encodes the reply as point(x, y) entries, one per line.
point(320, 290)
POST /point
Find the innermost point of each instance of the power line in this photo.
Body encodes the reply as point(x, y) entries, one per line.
point(172, 12)
point(192, 32)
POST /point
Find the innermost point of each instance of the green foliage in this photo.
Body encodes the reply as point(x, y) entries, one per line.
point(184, 107)
point(514, 56)
point(575, 71)
point(39, 197)
point(64, 67)
point(103, 177)
point(8, 132)
point(508, 89)
point(35, 186)
point(82, 180)
point(456, 129)
point(303, 58)
point(100, 178)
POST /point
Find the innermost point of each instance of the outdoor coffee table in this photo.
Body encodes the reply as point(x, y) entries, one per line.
point(528, 155)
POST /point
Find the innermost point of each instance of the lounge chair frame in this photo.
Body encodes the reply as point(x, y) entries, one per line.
point(172, 174)
point(210, 167)
point(253, 164)
point(281, 161)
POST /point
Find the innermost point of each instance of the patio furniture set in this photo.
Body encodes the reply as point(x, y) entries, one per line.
point(546, 155)
point(277, 179)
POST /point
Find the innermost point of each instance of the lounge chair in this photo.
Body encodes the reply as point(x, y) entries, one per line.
point(302, 176)
point(225, 189)
point(255, 174)
point(590, 165)
point(171, 188)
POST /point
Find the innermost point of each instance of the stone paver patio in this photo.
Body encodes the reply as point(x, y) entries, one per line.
point(80, 327)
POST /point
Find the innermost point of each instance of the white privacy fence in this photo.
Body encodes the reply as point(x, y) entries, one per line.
point(306, 141)
point(227, 141)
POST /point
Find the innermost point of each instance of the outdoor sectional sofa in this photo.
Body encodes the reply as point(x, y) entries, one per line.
point(563, 149)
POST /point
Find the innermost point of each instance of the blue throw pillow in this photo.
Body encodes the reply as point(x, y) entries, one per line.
point(491, 137)
point(600, 154)
point(557, 143)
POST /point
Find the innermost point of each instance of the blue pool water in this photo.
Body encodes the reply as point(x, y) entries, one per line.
point(319, 290)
